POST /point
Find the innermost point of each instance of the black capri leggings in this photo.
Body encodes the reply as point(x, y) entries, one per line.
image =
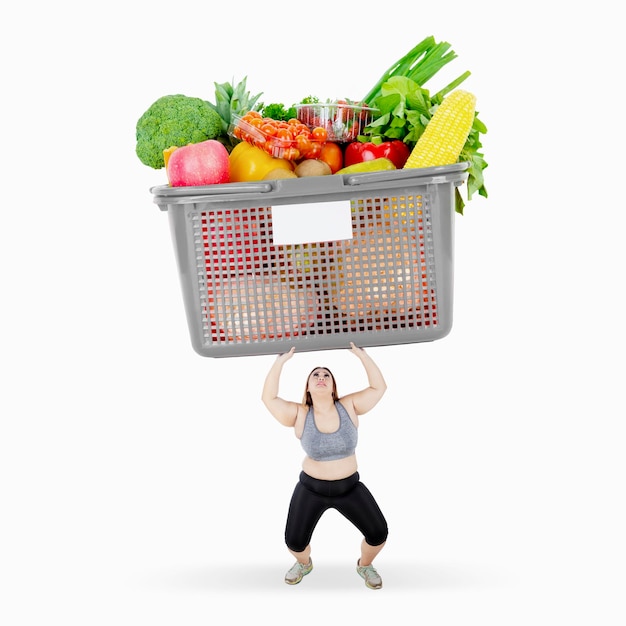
point(312, 497)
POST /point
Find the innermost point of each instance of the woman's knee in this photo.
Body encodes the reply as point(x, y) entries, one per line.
point(295, 539)
point(296, 545)
point(377, 536)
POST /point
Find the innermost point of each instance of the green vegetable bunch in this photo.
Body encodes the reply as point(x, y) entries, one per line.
point(405, 107)
point(278, 111)
point(174, 120)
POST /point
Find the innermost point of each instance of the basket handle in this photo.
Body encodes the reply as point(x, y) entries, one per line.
point(184, 195)
point(426, 175)
point(232, 188)
point(248, 187)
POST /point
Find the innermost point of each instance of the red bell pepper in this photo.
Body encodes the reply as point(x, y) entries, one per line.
point(396, 151)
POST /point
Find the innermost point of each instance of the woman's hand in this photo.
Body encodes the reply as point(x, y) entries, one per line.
point(360, 352)
point(285, 356)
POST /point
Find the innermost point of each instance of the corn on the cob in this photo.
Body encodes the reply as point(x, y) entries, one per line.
point(446, 132)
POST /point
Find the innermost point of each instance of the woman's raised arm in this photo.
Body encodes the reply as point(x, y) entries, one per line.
point(283, 410)
point(367, 398)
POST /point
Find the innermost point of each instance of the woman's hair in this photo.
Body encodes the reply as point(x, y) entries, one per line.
point(307, 400)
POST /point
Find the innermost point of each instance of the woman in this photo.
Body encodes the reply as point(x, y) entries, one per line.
point(327, 428)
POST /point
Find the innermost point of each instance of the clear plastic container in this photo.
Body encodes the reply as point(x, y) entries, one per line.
point(343, 122)
point(291, 149)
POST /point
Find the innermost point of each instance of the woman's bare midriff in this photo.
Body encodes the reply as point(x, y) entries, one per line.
point(330, 470)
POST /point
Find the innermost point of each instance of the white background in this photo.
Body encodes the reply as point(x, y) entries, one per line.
point(144, 484)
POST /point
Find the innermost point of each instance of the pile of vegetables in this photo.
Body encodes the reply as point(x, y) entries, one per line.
point(406, 108)
point(399, 123)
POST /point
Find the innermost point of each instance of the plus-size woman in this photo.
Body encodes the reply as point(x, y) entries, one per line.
point(327, 427)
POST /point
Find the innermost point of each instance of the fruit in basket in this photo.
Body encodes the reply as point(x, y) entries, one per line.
point(204, 163)
point(333, 155)
point(279, 173)
point(255, 308)
point(312, 167)
point(395, 150)
point(447, 131)
point(232, 99)
point(174, 120)
point(376, 165)
point(376, 278)
point(249, 163)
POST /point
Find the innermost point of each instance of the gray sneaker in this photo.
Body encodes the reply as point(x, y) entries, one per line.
point(298, 572)
point(370, 575)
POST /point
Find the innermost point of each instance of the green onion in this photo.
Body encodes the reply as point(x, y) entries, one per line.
point(419, 64)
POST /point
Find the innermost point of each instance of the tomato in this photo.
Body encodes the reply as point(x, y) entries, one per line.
point(285, 134)
point(299, 129)
point(319, 134)
point(290, 154)
point(268, 129)
point(314, 151)
point(332, 154)
point(303, 142)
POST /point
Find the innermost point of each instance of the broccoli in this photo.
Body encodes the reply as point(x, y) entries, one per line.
point(174, 120)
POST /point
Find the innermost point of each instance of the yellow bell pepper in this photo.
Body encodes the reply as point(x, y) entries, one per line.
point(167, 153)
point(248, 163)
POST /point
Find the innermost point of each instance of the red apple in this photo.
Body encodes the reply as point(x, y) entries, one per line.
point(203, 163)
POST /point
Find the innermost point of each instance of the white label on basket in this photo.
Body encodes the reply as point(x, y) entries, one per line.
point(306, 223)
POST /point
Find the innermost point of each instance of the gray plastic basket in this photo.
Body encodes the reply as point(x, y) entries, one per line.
point(245, 294)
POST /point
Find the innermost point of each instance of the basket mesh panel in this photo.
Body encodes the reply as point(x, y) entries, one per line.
point(383, 279)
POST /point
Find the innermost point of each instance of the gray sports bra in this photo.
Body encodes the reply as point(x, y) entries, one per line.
point(329, 446)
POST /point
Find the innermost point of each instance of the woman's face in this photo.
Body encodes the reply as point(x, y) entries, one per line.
point(320, 379)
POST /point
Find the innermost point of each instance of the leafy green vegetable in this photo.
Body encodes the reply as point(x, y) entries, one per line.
point(405, 107)
point(278, 111)
point(472, 154)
